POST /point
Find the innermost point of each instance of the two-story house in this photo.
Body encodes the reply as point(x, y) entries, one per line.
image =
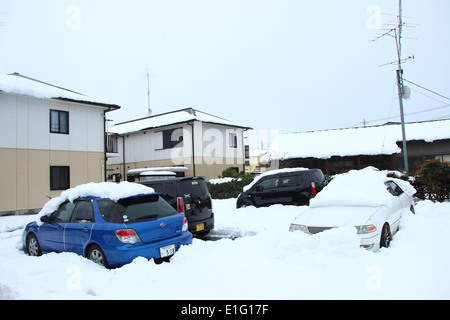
point(51, 139)
point(203, 143)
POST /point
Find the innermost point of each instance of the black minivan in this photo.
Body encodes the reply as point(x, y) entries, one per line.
point(189, 196)
point(285, 186)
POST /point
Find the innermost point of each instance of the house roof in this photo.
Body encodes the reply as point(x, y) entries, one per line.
point(373, 140)
point(171, 118)
point(19, 84)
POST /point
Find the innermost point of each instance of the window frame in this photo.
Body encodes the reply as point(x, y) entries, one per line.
point(57, 127)
point(59, 183)
point(167, 139)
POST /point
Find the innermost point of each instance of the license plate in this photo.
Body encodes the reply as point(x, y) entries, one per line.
point(167, 250)
point(200, 227)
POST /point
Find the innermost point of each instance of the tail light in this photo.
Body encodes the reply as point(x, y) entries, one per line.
point(180, 205)
point(128, 236)
point(313, 188)
point(185, 225)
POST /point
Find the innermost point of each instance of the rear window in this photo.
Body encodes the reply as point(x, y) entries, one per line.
point(318, 175)
point(135, 209)
point(193, 188)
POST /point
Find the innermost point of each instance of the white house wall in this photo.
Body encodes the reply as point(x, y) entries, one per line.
point(25, 125)
point(28, 149)
point(212, 149)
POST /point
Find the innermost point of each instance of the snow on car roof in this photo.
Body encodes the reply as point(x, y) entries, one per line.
point(359, 188)
point(107, 190)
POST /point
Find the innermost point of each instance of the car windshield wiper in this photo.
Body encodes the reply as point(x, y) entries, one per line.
point(150, 216)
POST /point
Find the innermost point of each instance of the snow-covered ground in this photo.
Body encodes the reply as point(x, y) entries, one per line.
point(265, 262)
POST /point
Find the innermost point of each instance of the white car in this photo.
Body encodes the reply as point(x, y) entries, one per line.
point(366, 199)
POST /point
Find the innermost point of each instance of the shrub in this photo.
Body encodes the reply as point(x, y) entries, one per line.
point(229, 189)
point(433, 181)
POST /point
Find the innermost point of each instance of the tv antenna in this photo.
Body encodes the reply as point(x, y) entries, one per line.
point(403, 92)
point(149, 111)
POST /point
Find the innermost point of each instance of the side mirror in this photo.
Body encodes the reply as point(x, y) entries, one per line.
point(44, 218)
point(258, 188)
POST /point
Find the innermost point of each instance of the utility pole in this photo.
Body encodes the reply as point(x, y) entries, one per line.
point(398, 38)
point(401, 91)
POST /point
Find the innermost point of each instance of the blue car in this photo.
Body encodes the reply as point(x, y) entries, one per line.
point(111, 233)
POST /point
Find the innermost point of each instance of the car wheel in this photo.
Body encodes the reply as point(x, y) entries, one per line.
point(386, 236)
point(95, 253)
point(33, 247)
point(244, 204)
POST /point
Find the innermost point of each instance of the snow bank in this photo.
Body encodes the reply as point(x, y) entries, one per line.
point(113, 191)
point(267, 262)
point(359, 188)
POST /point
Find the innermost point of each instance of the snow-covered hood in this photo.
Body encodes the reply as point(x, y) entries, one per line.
point(336, 216)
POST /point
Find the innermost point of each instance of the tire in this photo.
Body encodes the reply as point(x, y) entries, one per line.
point(96, 254)
point(386, 236)
point(244, 204)
point(33, 247)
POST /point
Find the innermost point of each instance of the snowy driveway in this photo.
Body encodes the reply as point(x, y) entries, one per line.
point(265, 261)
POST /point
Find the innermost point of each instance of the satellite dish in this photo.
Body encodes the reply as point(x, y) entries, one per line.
point(406, 92)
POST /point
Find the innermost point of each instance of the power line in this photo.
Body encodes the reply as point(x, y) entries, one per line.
point(440, 95)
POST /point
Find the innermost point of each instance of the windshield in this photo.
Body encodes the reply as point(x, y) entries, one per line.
point(135, 209)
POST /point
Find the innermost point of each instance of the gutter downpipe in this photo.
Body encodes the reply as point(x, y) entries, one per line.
point(193, 148)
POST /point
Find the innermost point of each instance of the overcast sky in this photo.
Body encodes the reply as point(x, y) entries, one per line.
point(287, 65)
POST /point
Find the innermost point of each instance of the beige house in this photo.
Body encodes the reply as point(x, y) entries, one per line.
point(204, 144)
point(51, 139)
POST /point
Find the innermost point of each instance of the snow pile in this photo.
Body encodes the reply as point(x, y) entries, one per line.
point(109, 190)
point(221, 180)
point(359, 188)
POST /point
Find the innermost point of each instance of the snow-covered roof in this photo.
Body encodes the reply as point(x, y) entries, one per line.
point(19, 84)
point(374, 140)
point(170, 118)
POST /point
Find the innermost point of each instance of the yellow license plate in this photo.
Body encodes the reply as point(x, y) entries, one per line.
point(200, 227)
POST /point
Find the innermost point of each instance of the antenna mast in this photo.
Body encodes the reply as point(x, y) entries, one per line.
point(148, 95)
point(398, 38)
point(401, 91)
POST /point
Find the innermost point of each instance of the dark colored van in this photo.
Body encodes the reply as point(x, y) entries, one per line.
point(189, 196)
point(284, 186)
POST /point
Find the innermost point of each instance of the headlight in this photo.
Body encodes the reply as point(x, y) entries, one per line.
point(298, 227)
point(365, 229)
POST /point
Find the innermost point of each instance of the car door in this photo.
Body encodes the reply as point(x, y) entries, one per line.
point(51, 233)
point(288, 189)
point(265, 192)
point(397, 206)
point(79, 229)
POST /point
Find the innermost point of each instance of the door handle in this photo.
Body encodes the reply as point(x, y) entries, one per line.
point(85, 229)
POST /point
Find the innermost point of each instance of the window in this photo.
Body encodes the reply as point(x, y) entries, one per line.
point(63, 213)
point(84, 212)
point(135, 209)
point(289, 181)
point(233, 140)
point(59, 177)
point(269, 183)
point(59, 121)
point(172, 138)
